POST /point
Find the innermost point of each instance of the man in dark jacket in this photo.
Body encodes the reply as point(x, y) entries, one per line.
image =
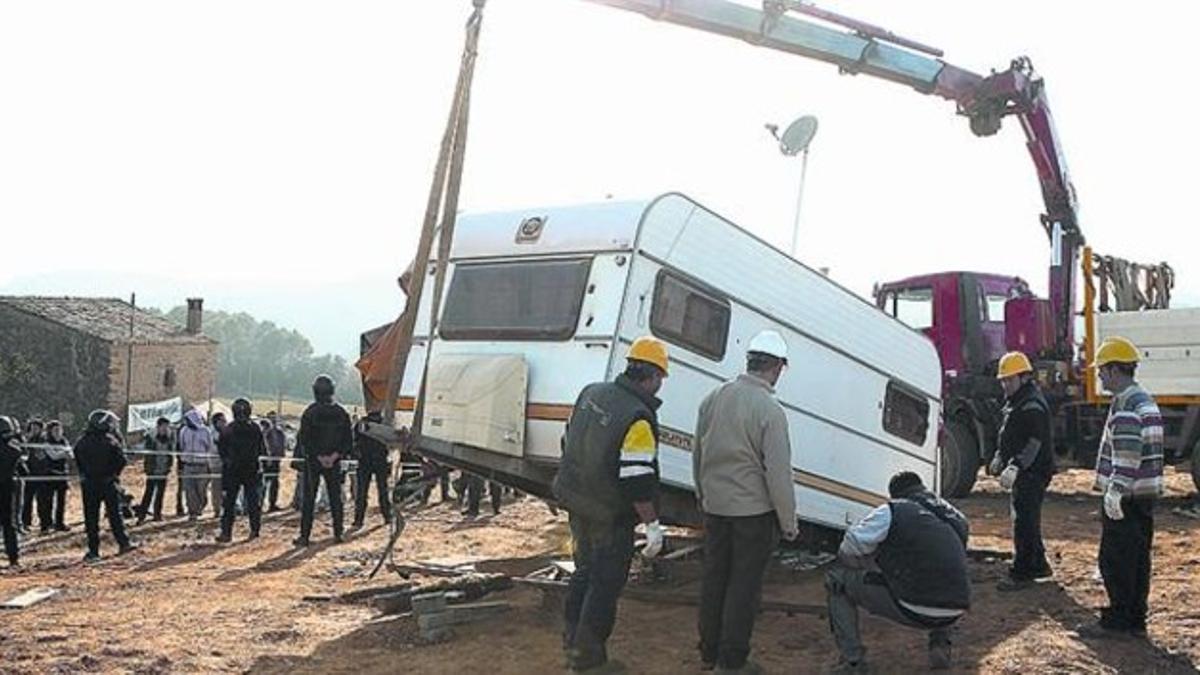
point(905, 561)
point(37, 465)
point(10, 455)
point(59, 454)
point(100, 457)
point(276, 442)
point(160, 454)
point(243, 448)
point(325, 437)
point(1024, 462)
point(608, 482)
point(373, 462)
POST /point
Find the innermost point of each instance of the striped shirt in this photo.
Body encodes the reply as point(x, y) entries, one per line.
point(1131, 449)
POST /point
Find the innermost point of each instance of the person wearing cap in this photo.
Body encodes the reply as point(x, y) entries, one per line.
point(905, 561)
point(742, 465)
point(1024, 461)
point(608, 482)
point(1129, 473)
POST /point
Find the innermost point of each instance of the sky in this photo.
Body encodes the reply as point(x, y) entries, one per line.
point(275, 156)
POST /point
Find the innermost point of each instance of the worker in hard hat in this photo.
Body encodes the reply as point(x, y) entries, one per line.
point(742, 465)
point(608, 482)
point(1024, 461)
point(1129, 473)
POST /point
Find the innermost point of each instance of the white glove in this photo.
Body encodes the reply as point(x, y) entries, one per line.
point(654, 539)
point(996, 466)
point(1112, 504)
point(1008, 476)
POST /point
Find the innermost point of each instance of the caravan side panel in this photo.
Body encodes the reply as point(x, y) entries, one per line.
point(849, 362)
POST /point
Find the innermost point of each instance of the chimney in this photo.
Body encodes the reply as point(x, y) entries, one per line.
point(195, 315)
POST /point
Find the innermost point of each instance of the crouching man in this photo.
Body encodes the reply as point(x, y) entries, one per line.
point(906, 561)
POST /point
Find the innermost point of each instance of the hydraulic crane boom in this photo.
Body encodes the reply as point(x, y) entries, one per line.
point(871, 50)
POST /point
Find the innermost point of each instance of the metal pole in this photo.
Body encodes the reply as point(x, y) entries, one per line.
point(129, 354)
point(799, 203)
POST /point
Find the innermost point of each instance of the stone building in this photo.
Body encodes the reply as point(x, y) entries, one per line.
point(65, 356)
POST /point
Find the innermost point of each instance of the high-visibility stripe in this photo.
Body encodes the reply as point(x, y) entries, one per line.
point(550, 412)
point(633, 470)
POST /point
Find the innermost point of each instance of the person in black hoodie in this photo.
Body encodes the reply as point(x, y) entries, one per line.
point(905, 561)
point(325, 437)
point(59, 454)
point(100, 457)
point(242, 450)
point(10, 456)
point(1024, 461)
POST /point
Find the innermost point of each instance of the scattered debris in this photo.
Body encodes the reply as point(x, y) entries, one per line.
point(436, 617)
point(30, 598)
point(805, 561)
point(472, 586)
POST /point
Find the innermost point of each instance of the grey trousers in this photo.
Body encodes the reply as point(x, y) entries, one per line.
point(196, 489)
point(848, 589)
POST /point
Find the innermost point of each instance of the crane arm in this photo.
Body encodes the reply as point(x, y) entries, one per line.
point(870, 50)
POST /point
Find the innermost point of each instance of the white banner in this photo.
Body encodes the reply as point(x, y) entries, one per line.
point(142, 417)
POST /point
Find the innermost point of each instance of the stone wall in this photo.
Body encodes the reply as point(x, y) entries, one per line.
point(50, 371)
point(162, 371)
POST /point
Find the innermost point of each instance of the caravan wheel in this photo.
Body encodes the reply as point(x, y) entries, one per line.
point(960, 460)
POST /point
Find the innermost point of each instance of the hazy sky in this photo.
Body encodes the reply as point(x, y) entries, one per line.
point(272, 143)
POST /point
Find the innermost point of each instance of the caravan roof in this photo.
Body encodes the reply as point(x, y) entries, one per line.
point(604, 226)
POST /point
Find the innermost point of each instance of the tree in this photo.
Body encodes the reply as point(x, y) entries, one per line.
point(260, 358)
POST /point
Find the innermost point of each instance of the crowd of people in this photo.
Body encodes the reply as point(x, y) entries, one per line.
point(233, 466)
point(904, 561)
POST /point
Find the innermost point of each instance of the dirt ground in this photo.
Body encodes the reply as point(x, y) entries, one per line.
point(184, 604)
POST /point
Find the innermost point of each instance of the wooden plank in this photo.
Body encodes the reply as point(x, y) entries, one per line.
point(368, 593)
point(676, 598)
point(30, 598)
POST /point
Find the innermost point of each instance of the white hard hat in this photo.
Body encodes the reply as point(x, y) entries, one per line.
point(770, 343)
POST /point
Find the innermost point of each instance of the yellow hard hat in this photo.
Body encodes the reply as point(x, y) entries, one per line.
point(1116, 350)
point(649, 349)
point(1013, 363)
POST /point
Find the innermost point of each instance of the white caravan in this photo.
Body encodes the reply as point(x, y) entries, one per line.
point(539, 303)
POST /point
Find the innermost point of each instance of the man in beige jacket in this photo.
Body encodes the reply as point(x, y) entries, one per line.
point(742, 464)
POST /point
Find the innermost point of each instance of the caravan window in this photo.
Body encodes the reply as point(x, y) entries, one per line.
point(525, 300)
point(689, 316)
point(905, 414)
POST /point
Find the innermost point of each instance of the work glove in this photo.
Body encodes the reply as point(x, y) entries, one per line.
point(1112, 504)
point(654, 539)
point(1008, 476)
point(996, 466)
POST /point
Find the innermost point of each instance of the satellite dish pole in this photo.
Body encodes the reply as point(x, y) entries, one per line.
point(795, 141)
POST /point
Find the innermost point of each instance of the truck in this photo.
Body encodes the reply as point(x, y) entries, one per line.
point(974, 318)
point(543, 301)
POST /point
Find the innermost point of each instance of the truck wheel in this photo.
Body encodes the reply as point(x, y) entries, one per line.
point(960, 461)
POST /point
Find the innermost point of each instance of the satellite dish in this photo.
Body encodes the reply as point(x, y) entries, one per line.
point(798, 135)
